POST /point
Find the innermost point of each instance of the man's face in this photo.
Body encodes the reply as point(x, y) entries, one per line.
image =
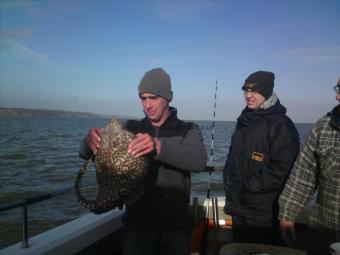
point(338, 94)
point(253, 99)
point(155, 107)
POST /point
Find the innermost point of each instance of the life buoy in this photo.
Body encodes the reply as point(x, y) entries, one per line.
point(221, 223)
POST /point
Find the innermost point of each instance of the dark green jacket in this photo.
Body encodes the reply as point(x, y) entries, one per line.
point(165, 203)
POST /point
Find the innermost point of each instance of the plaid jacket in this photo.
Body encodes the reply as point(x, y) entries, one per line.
point(317, 168)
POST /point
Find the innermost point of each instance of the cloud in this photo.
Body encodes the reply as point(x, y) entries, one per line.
point(14, 50)
point(16, 34)
point(32, 8)
point(319, 55)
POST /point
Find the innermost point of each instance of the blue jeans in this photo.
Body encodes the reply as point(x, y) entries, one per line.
point(156, 243)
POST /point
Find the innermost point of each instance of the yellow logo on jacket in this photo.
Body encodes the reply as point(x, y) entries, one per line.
point(257, 156)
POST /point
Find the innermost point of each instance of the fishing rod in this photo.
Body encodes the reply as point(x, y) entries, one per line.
point(210, 168)
point(212, 143)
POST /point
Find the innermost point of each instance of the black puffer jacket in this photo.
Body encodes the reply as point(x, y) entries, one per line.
point(263, 149)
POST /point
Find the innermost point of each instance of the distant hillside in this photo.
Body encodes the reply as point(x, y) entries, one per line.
point(22, 112)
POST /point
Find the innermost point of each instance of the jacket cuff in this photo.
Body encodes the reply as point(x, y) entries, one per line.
point(85, 151)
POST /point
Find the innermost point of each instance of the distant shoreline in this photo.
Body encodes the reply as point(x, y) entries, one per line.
point(24, 112)
point(27, 112)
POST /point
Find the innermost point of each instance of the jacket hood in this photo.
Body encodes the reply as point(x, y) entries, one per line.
point(248, 115)
point(269, 102)
point(277, 108)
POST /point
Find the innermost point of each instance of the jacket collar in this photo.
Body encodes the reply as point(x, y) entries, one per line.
point(170, 119)
point(335, 116)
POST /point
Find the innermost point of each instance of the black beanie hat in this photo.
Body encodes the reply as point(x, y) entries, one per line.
point(156, 81)
point(261, 82)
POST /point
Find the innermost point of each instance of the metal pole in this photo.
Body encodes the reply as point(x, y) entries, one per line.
point(24, 226)
point(24, 210)
point(216, 216)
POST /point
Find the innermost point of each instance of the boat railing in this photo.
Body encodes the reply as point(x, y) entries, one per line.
point(24, 203)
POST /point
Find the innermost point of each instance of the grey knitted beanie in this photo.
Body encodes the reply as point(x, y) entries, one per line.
point(156, 81)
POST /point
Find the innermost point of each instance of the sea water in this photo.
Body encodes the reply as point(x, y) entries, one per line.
point(39, 155)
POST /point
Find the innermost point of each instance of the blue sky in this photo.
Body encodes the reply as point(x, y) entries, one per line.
point(89, 56)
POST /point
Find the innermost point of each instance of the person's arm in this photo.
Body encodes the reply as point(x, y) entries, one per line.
point(227, 173)
point(85, 151)
point(283, 152)
point(89, 146)
point(299, 187)
point(188, 153)
point(301, 183)
point(287, 231)
point(229, 182)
